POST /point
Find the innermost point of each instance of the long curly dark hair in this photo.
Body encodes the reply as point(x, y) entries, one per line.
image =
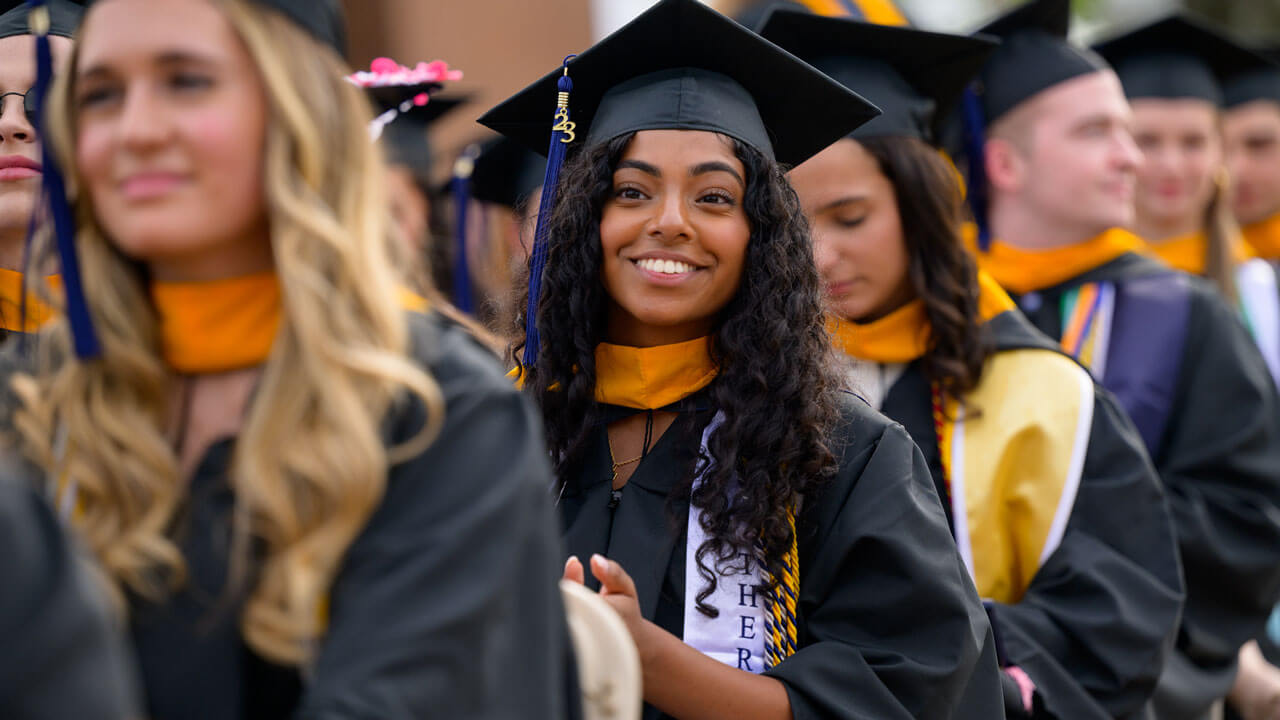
point(776, 382)
point(943, 274)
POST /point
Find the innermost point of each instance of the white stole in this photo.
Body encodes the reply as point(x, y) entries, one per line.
point(737, 635)
point(1259, 298)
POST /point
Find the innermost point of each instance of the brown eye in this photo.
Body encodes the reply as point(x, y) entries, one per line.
point(717, 197)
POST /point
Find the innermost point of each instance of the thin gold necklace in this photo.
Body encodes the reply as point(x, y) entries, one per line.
point(622, 464)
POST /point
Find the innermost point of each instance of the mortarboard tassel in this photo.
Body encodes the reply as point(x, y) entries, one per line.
point(562, 133)
point(55, 193)
point(461, 187)
point(974, 138)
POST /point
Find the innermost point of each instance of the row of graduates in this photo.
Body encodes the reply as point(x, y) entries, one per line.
point(1101, 428)
point(314, 495)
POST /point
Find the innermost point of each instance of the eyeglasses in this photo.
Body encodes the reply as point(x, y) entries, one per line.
point(28, 103)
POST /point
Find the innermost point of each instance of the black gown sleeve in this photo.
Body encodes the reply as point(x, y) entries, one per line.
point(448, 605)
point(1101, 614)
point(1220, 461)
point(62, 655)
point(890, 624)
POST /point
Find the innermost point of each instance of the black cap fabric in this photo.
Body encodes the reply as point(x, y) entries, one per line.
point(506, 173)
point(64, 18)
point(322, 18)
point(913, 76)
point(1259, 84)
point(405, 141)
point(1177, 56)
point(753, 14)
point(1034, 56)
point(683, 66)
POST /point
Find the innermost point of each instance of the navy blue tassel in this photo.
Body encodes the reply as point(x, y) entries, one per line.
point(55, 193)
point(975, 133)
point(562, 133)
point(461, 188)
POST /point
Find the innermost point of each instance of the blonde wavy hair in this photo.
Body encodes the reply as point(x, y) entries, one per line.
point(1224, 237)
point(310, 465)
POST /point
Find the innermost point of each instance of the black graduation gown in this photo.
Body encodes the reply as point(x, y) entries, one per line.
point(889, 623)
point(62, 655)
point(1101, 614)
point(446, 605)
point(1219, 457)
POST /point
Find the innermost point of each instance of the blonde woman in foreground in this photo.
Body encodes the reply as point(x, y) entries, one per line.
point(309, 500)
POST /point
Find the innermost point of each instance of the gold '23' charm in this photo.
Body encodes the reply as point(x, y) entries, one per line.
point(564, 125)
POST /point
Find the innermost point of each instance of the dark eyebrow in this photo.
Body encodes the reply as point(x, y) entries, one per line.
point(848, 200)
point(716, 166)
point(643, 167)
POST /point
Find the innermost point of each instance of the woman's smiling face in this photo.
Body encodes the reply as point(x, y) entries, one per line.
point(674, 236)
point(171, 121)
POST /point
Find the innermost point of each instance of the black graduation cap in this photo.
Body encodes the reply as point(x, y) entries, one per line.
point(913, 76)
point(405, 140)
point(754, 13)
point(1034, 56)
point(322, 18)
point(64, 18)
point(678, 66)
point(1177, 56)
point(1259, 84)
point(682, 65)
point(506, 173)
point(499, 171)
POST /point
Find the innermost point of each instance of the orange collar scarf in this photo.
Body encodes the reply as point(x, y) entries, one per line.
point(903, 335)
point(1022, 271)
point(1264, 237)
point(223, 325)
point(1187, 252)
point(653, 377)
point(220, 325)
point(38, 313)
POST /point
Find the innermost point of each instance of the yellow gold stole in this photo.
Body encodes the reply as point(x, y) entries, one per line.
point(1264, 237)
point(903, 335)
point(653, 377)
point(1012, 457)
point(11, 296)
point(1187, 252)
point(1022, 271)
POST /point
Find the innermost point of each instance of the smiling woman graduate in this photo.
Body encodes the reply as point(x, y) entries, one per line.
point(775, 546)
point(310, 502)
point(1056, 508)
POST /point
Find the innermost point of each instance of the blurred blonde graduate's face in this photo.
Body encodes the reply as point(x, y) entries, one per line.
point(1182, 155)
point(171, 119)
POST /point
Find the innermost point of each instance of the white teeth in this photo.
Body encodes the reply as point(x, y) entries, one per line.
point(665, 267)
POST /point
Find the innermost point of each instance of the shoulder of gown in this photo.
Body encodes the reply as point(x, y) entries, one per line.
point(1219, 459)
point(1101, 613)
point(65, 655)
point(448, 604)
point(884, 595)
